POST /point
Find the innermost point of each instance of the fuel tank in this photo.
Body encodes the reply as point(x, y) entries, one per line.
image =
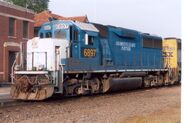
point(118, 84)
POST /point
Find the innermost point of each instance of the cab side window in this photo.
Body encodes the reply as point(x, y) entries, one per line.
point(60, 34)
point(41, 35)
point(73, 34)
point(89, 40)
point(48, 35)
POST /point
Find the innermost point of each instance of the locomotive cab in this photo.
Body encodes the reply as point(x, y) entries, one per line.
point(48, 56)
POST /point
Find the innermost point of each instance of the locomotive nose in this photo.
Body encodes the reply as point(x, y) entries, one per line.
point(40, 93)
point(32, 87)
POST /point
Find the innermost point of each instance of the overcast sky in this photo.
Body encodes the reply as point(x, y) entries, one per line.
point(160, 17)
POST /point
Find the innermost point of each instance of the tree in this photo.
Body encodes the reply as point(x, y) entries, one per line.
point(35, 5)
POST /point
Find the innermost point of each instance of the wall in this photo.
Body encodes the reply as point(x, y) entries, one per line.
point(11, 44)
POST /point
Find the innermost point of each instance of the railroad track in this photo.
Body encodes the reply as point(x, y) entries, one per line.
point(6, 101)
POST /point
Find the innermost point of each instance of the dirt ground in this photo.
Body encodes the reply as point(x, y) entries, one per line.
point(169, 115)
point(161, 105)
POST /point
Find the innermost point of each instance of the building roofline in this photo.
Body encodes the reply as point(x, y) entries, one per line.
point(43, 17)
point(7, 4)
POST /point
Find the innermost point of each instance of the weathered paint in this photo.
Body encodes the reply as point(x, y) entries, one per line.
point(170, 53)
point(45, 55)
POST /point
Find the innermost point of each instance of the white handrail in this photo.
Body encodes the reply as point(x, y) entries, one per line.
point(12, 69)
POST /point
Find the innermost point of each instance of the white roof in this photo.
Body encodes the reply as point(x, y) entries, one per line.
point(86, 26)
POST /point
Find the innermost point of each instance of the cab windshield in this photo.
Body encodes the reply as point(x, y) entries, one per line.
point(45, 35)
point(60, 34)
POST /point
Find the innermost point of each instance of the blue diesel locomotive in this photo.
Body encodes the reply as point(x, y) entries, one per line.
point(74, 58)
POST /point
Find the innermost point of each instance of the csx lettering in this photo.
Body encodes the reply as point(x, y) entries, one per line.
point(89, 52)
point(168, 54)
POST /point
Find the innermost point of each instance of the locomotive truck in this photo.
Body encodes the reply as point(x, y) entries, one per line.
point(74, 58)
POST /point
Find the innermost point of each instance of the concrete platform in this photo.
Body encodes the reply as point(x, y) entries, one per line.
point(5, 90)
point(5, 96)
